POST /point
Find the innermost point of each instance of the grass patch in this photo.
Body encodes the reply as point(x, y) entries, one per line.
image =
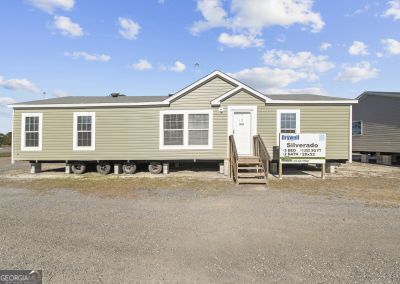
point(114, 187)
point(380, 191)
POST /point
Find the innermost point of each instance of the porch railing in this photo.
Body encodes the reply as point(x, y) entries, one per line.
point(233, 159)
point(261, 151)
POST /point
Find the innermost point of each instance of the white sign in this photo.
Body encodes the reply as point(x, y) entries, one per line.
point(304, 148)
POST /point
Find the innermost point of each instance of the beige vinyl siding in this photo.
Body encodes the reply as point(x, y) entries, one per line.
point(125, 133)
point(330, 119)
point(380, 117)
point(132, 133)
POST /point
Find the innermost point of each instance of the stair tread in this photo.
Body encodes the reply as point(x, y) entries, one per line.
point(250, 168)
point(251, 175)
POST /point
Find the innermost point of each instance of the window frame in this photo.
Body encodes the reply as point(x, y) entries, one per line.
point(361, 128)
point(186, 145)
point(23, 137)
point(279, 112)
point(75, 146)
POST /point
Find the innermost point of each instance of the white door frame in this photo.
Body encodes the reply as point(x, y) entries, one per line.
point(253, 114)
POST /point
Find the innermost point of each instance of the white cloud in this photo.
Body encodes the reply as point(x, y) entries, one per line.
point(379, 54)
point(253, 16)
point(265, 78)
point(300, 60)
point(357, 72)
point(312, 91)
point(358, 48)
point(67, 27)
point(240, 40)
point(393, 10)
point(50, 5)
point(392, 46)
point(178, 67)
point(142, 64)
point(325, 46)
point(60, 93)
point(128, 28)
point(19, 85)
point(6, 101)
point(88, 56)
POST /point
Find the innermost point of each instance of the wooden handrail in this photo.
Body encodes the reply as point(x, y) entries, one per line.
point(261, 151)
point(233, 159)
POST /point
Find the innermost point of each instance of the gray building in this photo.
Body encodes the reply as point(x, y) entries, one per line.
point(376, 125)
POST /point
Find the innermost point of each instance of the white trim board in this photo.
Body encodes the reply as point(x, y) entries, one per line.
point(351, 134)
point(244, 108)
point(75, 146)
point(31, 114)
point(210, 76)
point(186, 145)
point(12, 138)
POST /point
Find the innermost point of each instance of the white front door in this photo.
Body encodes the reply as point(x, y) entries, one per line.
point(242, 132)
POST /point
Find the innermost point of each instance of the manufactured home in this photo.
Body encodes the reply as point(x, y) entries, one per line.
point(217, 118)
point(376, 126)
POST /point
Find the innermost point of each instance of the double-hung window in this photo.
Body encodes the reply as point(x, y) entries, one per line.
point(357, 128)
point(186, 129)
point(288, 121)
point(84, 131)
point(31, 134)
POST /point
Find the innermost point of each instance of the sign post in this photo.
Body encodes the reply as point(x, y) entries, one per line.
point(302, 148)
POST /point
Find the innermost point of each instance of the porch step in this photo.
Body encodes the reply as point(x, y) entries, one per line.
point(250, 168)
point(251, 175)
point(251, 180)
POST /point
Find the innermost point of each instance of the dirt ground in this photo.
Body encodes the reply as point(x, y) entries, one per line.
point(200, 227)
point(373, 184)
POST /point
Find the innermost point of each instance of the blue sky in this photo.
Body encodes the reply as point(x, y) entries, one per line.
point(94, 47)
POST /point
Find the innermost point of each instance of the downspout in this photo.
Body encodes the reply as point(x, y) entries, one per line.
point(12, 138)
point(351, 135)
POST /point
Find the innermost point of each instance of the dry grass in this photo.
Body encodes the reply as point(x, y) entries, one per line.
point(379, 191)
point(116, 187)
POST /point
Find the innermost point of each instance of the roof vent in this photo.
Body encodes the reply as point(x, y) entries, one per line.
point(116, 95)
point(170, 95)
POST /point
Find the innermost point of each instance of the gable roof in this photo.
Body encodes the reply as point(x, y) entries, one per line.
point(383, 94)
point(217, 101)
point(121, 101)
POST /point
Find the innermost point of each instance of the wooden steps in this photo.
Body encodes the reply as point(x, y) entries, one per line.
point(250, 170)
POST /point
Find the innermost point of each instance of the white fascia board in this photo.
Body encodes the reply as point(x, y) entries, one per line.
point(313, 102)
point(89, 105)
point(217, 100)
point(195, 84)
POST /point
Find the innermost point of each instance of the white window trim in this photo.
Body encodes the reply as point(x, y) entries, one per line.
point(245, 108)
point(186, 145)
point(278, 121)
point(362, 128)
point(75, 146)
point(31, 114)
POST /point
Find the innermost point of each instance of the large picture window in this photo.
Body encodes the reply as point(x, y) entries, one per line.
point(31, 134)
point(84, 131)
point(186, 129)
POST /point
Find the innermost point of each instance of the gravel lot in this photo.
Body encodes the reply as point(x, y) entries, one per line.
point(244, 234)
point(200, 227)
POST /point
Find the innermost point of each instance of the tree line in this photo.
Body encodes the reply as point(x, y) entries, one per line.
point(5, 139)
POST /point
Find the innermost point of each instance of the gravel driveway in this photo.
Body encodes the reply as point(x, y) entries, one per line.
point(238, 235)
